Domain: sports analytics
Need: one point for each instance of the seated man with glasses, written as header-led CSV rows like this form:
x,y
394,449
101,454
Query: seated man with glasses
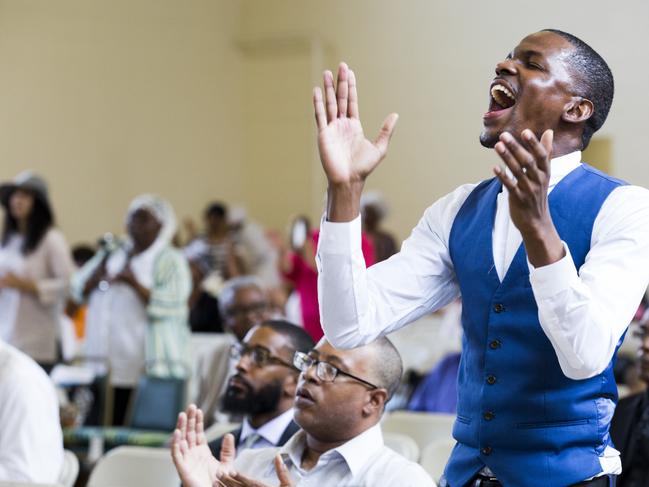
x,y
340,398
263,386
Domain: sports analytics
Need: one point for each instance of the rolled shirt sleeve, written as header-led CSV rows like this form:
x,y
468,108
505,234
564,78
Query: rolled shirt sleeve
x,y
585,312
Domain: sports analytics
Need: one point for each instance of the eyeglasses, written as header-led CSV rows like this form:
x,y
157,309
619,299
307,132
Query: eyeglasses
x,y
324,370
259,355
251,308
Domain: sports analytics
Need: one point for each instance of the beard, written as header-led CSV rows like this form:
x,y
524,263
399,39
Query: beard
x,y
250,401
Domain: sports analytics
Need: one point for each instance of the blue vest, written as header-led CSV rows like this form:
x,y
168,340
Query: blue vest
x,y
517,412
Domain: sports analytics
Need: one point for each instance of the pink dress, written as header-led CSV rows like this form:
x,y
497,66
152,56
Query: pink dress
x,y
304,278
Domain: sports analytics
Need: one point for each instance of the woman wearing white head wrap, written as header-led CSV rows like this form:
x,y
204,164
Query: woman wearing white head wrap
x,y
137,300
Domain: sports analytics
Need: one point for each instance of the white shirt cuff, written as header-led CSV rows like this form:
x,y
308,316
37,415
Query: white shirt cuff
x,y
340,238
550,280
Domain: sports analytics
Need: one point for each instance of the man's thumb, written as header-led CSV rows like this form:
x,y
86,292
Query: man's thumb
x,y
385,133
282,472
228,450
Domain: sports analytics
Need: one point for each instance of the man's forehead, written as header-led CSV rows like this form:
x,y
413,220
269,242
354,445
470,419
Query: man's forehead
x,y
266,337
544,43
346,358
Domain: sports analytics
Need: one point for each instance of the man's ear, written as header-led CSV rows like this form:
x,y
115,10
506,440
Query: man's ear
x,y
578,110
376,402
289,385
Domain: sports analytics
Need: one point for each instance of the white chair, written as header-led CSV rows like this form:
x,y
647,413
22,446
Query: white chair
x,y
435,456
70,469
219,429
132,466
403,445
424,428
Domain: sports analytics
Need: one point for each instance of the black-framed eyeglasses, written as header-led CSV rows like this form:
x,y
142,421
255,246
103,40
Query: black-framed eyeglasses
x,y
260,356
324,370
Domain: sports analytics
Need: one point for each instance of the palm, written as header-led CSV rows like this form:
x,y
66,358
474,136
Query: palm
x,y
198,468
345,152
347,155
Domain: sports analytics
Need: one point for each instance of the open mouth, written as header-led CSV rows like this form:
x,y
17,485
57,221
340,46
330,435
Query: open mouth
x,y
501,98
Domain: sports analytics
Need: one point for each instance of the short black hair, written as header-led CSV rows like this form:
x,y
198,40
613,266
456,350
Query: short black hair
x,y
300,340
595,82
40,220
216,208
387,366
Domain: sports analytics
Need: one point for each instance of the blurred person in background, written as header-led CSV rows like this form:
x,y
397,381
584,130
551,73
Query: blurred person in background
x,y
257,252
214,258
35,269
137,294
374,210
31,444
630,425
298,267
263,385
243,304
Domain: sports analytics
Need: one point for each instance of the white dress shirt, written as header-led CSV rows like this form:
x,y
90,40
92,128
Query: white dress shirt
x,y
269,433
363,461
583,312
31,444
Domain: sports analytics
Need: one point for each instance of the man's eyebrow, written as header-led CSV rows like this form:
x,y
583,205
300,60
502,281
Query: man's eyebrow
x,y
334,360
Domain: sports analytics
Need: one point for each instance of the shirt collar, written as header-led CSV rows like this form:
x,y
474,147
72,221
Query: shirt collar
x,y
560,167
271,431
356,452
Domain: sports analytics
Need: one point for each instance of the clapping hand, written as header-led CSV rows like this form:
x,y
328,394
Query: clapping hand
x,y
191,454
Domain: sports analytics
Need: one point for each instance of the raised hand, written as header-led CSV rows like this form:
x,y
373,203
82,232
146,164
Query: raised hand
x,y
529,163
192,456
347,156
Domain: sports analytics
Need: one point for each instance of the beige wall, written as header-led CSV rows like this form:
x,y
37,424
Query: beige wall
x,y
199,99
109,99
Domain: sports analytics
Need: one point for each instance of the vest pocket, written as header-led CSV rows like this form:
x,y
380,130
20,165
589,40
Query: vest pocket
x,y
552,424
463,419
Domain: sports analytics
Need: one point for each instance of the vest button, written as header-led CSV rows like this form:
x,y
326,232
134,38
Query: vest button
x,y
491,379
488,416
486,450
499,308
494,344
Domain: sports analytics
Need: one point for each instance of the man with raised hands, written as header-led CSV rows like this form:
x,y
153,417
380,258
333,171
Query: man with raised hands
x,y
340,399
550,257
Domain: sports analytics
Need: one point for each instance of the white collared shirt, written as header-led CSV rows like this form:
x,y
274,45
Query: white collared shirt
x,y
363,461
269,433
584,312
31,443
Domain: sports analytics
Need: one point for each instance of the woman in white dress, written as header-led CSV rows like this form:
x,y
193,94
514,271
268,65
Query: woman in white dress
x,y
137,296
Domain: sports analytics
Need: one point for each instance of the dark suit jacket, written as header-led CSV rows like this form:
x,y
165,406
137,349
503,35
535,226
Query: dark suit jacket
x,y
215,445
626,415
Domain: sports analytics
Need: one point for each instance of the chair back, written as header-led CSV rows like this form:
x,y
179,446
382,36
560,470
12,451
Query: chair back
x,y
435,456
70,469
157,402
403,445
132,466
424,428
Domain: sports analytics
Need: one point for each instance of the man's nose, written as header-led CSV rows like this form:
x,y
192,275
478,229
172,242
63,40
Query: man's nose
x,y
505,67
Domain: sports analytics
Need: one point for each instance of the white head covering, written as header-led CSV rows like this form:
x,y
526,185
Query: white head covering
x,y
161,211
142,263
